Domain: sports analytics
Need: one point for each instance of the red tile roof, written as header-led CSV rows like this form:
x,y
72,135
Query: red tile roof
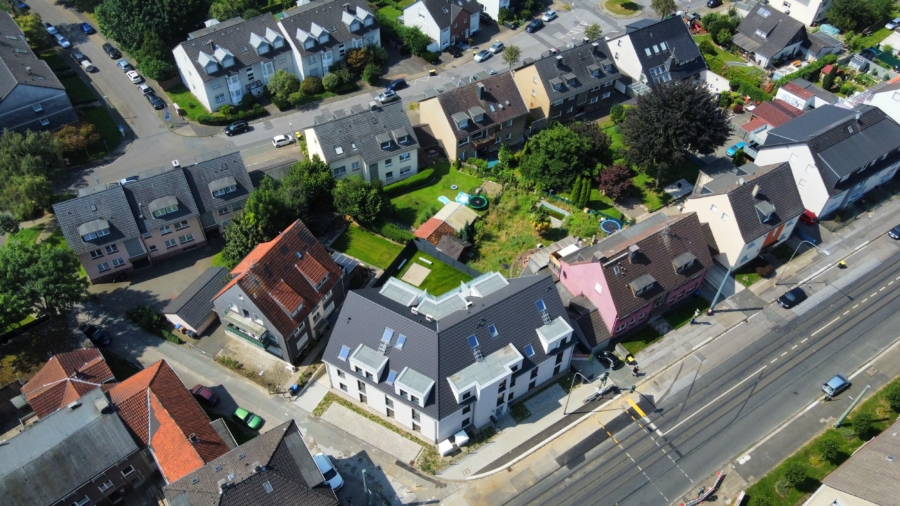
x,y
65,378
426,229
776,112
283,273
753,124
161,414
798,91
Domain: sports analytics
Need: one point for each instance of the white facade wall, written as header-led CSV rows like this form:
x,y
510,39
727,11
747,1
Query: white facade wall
x,y
809,182
492,7
417,15
808,12
626,58
888,102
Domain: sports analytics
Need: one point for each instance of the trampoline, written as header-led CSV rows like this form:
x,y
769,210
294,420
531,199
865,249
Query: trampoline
x,y
610,226
478,202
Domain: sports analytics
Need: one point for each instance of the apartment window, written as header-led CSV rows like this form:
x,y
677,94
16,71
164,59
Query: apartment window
x,y
621,327
605,95
186,238
534,373
82,502
45,121
128,471
415,416
354,166
511,395
147,235
466,410
509,123
404,157
413,398
250,76
316,317
405,170
339,171
312,59
593,100
389,175
388,402
220,97
500,400
463,141
181,224
556,370
416,427
467,395
171,243
118,262
559,358
569,109
801,183
152,248
216,84
369,376
106,486
97,253
361,386
165,211
343,386
512,382
465,423
282,59
508,136
341,374
390,413
531,385
502,386
165,230
103,267
223,210
388,162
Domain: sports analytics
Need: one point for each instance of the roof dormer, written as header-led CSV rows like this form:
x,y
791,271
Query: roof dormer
x,y
570,78
163,206
476,113
274,38
348,17
557,84
683,261
93,229
224,57
259,44
320,33
400,135
642,284
595,70
209,64
461,119
383,140
365,16
305,38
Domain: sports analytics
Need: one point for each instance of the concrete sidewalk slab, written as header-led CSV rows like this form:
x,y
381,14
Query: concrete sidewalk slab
x,y
312,395
384,439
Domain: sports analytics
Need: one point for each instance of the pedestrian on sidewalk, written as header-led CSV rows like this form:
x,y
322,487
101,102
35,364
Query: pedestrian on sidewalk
x,y
635,371
694,318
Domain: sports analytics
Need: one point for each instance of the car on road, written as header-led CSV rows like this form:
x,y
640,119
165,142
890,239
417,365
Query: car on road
x,y
155,101
836,385
454,50
792,297
97,335
134,76
387,96
111,51
734,149
248,418
549,15
23,6
496,47
146,90
332,477
124,65
713,3
534,26
892,24
282,140
236,128
397,84
894,232
50,29
64,42
204,395
482,55
87,28
87,65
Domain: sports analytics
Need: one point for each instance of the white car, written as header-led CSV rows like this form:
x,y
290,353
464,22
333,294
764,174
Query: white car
x,y
894,23
282,140
144,89
482,55
497,47
327,469
87,66
63,41
387,96
549,15
134,76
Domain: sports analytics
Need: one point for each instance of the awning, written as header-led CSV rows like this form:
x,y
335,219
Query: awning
x,y
445,447
221,184
162,203
461,438
92,226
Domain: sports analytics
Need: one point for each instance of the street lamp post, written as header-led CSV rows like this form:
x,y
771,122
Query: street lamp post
x,y
825,252
566,409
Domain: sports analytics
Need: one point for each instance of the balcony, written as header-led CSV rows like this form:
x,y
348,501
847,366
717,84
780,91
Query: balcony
x,y
252,340
244,327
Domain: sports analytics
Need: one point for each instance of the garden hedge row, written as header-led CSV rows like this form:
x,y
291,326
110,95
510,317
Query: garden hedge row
x,y
409,184
255,111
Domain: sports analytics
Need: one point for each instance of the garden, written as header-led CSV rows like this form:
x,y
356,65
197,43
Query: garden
x,y
418,205
197,112
368,247
440,278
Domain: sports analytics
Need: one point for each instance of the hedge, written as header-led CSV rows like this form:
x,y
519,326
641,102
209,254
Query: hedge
x,y
256,111
751,90
409,184
394,233
808,71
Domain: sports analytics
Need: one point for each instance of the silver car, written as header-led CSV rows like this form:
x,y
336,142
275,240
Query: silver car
x,y
387,96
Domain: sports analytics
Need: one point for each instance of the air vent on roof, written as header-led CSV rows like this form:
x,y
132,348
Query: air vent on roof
x,y
193,438
428,317
74,405
241,456
299,255
93,207
218,468
414,310
195,481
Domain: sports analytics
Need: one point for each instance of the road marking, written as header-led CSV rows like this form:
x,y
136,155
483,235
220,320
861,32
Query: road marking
x,y
635,406
891,283
882,288
783,354
873,294
659,433
845,312
814,404
695,413
794,346
804,340
826,325
856,306
773,360
864,300
708,339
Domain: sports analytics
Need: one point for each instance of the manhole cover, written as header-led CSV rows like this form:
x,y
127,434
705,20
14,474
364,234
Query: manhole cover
x,y
872,371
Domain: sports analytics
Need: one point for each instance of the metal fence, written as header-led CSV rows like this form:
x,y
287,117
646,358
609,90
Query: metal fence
x,y
421,246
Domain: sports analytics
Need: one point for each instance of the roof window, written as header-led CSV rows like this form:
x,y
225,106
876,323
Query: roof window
x,y
345,352
529,350
339,150
473,341
493,330
540,305
401,340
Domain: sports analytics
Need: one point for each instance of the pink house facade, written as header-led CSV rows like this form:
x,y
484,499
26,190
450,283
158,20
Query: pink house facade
x,y
640,271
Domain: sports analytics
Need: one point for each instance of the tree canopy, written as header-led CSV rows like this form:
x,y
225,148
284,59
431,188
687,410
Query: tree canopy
x,y
128,21
308,187
40,278
555,157
663,8
29,163
362,201
671,121
511,55
856,15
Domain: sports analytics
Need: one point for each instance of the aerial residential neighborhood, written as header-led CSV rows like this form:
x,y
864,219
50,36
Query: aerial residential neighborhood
x,y
462,252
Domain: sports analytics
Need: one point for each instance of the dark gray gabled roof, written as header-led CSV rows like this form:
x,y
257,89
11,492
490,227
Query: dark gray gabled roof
x,y
581,62
500,102
444,12
842,141
18,63
96,203
201,174
816,90
681,57
158,190
194,304
767,31
234,36
439,349
366,130
328,16
287,475
820,40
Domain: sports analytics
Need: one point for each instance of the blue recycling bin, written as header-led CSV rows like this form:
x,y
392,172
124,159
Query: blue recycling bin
x,y
294,389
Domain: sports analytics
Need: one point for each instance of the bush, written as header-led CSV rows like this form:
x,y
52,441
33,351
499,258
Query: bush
x,y
808,72
217,118
433,58
158,70
407,185
371,73
765,270
892,395
724,100
738,108
863,423
145,318
760,501
707,47
226,110
172,338
828,448
617,113
795,474
331,82
394,233
312,85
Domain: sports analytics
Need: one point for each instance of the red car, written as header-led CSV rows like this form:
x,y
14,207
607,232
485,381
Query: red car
x,y
205,395
809,218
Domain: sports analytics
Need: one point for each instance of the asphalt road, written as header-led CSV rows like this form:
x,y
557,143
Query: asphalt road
x,y
738,400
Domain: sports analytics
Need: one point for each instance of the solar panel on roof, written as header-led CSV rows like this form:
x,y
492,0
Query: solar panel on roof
x,y
401,340
387,335
473,341
345,352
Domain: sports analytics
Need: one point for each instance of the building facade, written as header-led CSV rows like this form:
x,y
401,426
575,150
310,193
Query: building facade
x,y
808,12
446,22
767,35
221,187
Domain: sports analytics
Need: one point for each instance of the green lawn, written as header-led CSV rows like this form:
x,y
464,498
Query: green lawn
x,y
106,126
391,12
218,261
186,101
78,91
747,278
442,277
410,209
720,53
368,247
27,235
875,38
681,315
622,7
641,339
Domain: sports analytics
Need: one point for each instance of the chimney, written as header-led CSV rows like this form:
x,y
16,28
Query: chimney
x,y
858,114
755,191
585,40
632,252
347,8
373,105
559,61
596,47
480,88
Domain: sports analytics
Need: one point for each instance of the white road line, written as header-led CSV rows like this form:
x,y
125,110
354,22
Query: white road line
x,y
708,339
783,354
891,283
773,360
882,288
814,404
856,306
659,433
804,340
716,399
845,312
794,346
864,300
826,325
873,294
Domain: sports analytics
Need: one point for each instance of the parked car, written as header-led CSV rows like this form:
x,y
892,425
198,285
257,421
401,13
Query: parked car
x,y
534,26
134,76
496,47
79,57
87,28
248,418
454,50
809,218
387,96
204,395
713,3
64,42
549,15
97,335
155,101
836,385
397,84
892,24
734,149
111,51
23,6
124,65
87,65
332,477
146,90
50,29
609,359
282,140
482,55
894,232
792,297
485,17
236,128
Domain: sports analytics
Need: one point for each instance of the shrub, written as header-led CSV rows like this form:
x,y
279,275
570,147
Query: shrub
x,y
707,47
863,424
892,395
432,58
808,72
828,448
331,82
312,85
394,233
795,474
724,100
371,73
738,108
617,113
760,501
409,184
159,70
226,110
765,270
168,336
145,318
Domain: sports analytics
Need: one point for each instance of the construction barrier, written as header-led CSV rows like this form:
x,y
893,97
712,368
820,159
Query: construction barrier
x,y
705,495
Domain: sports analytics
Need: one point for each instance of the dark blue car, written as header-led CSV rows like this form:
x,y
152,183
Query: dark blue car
x,y
87,29
397,84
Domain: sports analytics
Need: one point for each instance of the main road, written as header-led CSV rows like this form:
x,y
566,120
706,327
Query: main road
x,y
700,424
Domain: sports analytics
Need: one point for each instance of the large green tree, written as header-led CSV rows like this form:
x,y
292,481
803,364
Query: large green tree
x,y
282,84
554,157
362,201
127,21
34,30
851,15
663,7
599,143
42,276
29,164
671,121
308,187
241,235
